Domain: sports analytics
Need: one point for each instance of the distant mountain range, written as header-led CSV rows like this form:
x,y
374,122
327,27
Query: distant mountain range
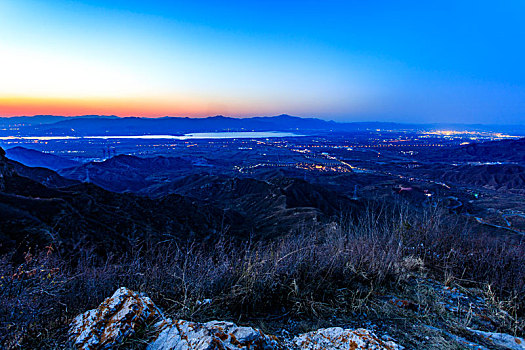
x,y
112,125
44,119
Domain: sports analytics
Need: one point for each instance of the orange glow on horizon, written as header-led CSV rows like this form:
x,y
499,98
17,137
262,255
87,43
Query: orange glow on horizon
x,y
123,107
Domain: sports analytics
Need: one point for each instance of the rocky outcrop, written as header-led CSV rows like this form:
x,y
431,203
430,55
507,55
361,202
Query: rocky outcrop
x,y
180,334
125,312
342,339
118,317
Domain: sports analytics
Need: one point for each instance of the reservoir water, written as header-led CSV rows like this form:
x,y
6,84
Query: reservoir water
x,y
198,135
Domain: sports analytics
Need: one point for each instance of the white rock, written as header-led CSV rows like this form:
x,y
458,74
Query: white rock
x,y
337,338
116,318
503,340
182,335
125,311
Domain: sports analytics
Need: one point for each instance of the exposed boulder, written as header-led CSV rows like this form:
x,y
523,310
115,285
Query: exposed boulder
x,y
337,338
118,317
182,334
125,312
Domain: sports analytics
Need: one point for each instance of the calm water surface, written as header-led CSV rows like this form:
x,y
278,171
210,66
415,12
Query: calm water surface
x,y
197,135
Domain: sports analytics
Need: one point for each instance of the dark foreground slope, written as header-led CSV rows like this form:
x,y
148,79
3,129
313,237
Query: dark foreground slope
x,y
420,280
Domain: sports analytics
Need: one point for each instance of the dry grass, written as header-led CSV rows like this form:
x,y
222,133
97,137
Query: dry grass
x,y
308,275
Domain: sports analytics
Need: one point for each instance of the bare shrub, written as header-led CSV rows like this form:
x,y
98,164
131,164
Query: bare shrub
x,y
307,274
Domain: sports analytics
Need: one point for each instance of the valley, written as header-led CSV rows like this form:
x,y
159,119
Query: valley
x,y
487,179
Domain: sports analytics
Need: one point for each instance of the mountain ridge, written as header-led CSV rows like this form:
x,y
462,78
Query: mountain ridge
x,y
113,125
33,158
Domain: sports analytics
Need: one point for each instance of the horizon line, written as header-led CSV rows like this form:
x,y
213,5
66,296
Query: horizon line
x,y
251,117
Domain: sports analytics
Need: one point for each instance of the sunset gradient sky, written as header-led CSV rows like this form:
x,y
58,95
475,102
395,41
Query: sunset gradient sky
x,y
406,61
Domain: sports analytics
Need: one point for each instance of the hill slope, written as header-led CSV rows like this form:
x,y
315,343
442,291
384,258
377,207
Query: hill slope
x,y
33,158
194,207
32,214
501,151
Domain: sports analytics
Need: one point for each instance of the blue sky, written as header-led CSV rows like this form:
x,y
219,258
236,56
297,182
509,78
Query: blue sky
x,y
407,61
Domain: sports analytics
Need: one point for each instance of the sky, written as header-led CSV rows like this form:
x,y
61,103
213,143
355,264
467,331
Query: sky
x,y
404,61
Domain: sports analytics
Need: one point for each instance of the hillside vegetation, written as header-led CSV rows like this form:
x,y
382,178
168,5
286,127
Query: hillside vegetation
x,y
391,270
